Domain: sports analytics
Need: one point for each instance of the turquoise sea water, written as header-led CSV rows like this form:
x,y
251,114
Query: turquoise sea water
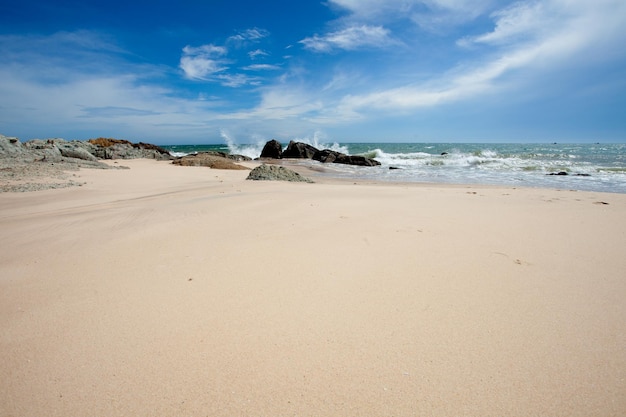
x,y
589,167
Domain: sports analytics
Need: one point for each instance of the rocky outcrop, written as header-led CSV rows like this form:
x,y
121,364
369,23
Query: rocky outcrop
x,y
272,149
567,173
107,148
275,173
305,151
299,150
50,151
327,156
215,160
10,147
55,150
42,164
75,150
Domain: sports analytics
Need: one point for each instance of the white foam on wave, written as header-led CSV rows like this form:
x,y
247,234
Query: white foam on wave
x,y
253,150
320,141
179,154
250,150
452,159
526,167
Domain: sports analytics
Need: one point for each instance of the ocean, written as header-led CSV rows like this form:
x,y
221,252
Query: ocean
x,y
584,167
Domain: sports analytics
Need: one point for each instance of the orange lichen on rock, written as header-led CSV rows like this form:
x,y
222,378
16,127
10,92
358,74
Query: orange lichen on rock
x,y
106,142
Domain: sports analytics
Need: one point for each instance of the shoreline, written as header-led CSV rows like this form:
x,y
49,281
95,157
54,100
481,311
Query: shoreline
x,y
173,290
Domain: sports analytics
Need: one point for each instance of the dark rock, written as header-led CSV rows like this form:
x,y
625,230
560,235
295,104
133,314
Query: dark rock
x,y
306,151
394,168
566,173
327,156
150,147
299,150
272,149
358,160
275,173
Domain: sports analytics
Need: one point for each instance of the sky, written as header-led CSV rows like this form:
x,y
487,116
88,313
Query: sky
x,y
198,72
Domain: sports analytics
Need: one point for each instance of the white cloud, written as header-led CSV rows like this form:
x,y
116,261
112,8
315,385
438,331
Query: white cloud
x,y
262,67
528,23
520,21
372,8
213,62
87,106
248,36
257,53
90,83
430,14
280,103
198,63
94,90
351,38
440,16
534,38
237,80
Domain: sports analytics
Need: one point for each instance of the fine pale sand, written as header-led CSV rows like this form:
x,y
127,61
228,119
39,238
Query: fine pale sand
x,y
179,291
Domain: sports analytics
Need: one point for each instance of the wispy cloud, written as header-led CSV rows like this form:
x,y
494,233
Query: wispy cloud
x,y
76,85
237,80
529,41
257,53
200,62
518,22
216,63
248,36
85,81
530,36
429,14
280,103
374,8
61,55
351,38
443,15
262,67
115,112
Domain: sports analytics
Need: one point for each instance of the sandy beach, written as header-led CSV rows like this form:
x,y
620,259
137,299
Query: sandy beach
x,y
163,290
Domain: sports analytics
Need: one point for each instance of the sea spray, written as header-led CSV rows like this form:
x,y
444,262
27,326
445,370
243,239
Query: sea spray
x,y
589,167
249,150
320,141
253,150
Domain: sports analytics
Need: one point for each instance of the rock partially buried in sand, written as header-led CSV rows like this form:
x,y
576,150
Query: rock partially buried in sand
x,y
209,159
275,173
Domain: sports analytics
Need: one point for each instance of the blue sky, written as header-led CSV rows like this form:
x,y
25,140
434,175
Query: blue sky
x,y
340,70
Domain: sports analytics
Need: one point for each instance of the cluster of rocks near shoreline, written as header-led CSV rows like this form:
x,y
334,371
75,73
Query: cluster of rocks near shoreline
x,y
41,164
274,150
